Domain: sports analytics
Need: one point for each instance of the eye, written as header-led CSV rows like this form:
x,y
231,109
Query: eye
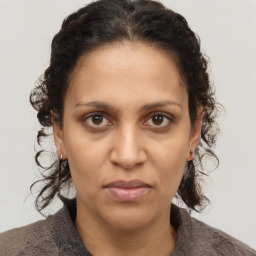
x,y
97,120
159,120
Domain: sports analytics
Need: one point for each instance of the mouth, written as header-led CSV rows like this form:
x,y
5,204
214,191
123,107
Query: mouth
x,y
127,191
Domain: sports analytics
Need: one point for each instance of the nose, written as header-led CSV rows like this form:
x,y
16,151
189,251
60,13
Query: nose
x,y
128,148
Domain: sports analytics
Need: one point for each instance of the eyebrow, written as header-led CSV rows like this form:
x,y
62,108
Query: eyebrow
x,y
160,104
146,107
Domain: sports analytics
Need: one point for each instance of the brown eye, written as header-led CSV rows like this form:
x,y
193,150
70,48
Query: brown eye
x,y
97,120
157,119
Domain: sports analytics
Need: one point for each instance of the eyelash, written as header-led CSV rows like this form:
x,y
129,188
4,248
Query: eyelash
x,y
165,116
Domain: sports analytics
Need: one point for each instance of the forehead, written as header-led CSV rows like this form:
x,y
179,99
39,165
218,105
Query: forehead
x,y
126,70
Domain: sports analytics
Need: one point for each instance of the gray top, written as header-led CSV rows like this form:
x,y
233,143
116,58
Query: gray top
x,y
57,235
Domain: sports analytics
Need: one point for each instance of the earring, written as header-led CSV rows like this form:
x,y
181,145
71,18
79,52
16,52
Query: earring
x,y
191,154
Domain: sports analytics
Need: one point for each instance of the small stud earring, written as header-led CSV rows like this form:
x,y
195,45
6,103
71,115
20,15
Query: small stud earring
x,y
191,153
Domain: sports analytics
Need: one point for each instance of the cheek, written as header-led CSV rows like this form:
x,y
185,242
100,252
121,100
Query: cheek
x,y
85,156
81,148
86,163
169,161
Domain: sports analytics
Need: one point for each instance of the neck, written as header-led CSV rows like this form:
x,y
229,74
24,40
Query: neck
x,y
157,238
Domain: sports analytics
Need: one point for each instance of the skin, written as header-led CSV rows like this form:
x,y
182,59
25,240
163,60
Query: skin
x,y
126,143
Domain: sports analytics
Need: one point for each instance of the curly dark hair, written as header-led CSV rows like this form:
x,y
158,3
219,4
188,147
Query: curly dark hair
x,y
105,22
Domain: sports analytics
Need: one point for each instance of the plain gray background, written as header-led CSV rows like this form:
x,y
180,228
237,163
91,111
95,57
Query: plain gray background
x,y
228,37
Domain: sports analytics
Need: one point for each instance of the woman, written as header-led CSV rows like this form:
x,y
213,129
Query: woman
x,y
133,113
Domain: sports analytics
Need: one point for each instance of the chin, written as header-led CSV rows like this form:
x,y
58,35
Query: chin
x,y
128,217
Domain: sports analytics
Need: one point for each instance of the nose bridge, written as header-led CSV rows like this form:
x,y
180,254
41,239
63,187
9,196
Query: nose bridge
x,y
128,147
128,137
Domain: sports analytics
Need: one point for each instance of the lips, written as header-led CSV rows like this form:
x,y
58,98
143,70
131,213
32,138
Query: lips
x,y
127,191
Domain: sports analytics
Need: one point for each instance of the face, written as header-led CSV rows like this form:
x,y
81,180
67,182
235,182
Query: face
x,y
126,133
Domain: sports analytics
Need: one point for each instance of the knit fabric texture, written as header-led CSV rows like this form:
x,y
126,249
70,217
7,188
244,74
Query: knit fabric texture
x,y
57,235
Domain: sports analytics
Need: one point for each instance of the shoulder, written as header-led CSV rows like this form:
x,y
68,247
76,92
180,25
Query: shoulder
x,y
220,241
33,239
211,241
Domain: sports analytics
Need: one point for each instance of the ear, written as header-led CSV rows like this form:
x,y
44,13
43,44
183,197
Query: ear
x,y
195,133
58,138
